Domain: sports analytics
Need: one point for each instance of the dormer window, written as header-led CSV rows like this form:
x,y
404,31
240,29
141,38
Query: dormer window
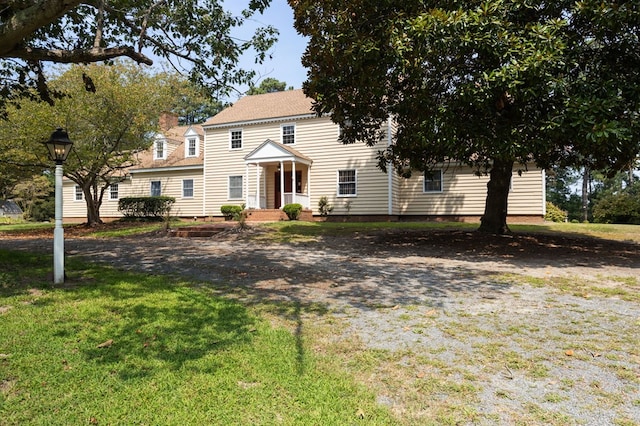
x,y
160,150
192,147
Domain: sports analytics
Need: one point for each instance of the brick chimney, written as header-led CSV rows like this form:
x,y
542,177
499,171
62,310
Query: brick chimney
x,y
167,121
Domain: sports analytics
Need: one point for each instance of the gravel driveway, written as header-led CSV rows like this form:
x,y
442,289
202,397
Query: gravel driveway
x,y
545,337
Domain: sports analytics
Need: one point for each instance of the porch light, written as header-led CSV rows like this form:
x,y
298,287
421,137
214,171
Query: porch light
x,y
59,146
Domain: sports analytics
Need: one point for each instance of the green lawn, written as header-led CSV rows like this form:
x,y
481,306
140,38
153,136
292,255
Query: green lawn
x,y
122,348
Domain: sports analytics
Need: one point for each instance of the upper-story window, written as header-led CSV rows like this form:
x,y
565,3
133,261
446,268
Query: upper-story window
x,y
192,147
288,134
235,139
160,150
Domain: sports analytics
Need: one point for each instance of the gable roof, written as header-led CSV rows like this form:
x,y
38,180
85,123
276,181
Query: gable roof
x,y
9,207
273,151
288,103
174,135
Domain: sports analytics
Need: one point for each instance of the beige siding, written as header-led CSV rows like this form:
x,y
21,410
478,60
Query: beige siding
x,y
316,138
464,193
137,186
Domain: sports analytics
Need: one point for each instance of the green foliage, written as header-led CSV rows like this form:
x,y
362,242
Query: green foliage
x,y
555,213
199,38
32,191
552,82
108,126
268,85
324,207
230,211
619,207
292,210
146,207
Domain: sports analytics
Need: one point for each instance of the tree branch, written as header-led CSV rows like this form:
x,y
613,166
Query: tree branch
x,y
26,21
79,55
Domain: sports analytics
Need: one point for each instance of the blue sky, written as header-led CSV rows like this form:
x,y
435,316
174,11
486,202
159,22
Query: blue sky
x,y
284,64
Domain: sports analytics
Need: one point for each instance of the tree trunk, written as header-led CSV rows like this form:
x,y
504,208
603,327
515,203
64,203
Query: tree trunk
x,y
93,208
494,220
585,194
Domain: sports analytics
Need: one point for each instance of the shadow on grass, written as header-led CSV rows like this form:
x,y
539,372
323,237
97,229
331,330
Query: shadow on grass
x,y
133,322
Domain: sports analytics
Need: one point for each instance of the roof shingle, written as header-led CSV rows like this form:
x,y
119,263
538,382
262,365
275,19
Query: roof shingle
x,y
267,106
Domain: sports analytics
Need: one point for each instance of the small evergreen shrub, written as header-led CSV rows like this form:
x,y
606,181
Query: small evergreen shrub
x,y
555,213
324,207
146,207
293,210
231,211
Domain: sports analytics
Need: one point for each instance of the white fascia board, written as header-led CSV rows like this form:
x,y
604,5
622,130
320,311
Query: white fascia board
x,y
166,169
262,121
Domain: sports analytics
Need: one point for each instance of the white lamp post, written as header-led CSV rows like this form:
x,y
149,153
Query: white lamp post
x,y
59,147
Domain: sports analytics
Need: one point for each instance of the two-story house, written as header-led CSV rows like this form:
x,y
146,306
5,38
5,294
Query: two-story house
x,y
269,150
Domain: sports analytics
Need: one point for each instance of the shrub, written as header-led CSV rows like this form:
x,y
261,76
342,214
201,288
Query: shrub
x,y
555,213
146,207
293,210
623,207
230,211
324,207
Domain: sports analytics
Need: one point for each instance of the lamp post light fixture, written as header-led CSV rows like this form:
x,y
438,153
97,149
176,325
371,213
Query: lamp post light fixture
x,y
59,147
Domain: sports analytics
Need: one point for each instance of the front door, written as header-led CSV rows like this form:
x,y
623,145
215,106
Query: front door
x,y
287,186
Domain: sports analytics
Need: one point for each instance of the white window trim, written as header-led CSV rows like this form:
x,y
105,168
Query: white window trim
x,y
151,188
193,188
186,147
77,190
164,149
117,192
338,195
424,190
237,129
229,187
295,135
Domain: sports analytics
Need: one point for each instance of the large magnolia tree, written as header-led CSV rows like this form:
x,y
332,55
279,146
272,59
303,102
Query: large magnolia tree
x,y
495,84
108,126
195,36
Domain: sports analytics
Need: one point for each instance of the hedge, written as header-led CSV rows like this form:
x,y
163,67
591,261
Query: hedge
x,y
145,207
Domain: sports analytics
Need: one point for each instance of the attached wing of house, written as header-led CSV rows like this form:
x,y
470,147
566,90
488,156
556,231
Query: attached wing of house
x,y
269,150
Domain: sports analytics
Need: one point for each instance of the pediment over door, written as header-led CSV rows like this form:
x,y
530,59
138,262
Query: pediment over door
x,y
269,151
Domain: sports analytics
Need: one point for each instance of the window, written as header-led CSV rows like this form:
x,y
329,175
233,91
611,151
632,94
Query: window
x,y
156,188
347,183
159,150
187,188
236,139
78,194
433,181
235,187
113,191
289,134
192,147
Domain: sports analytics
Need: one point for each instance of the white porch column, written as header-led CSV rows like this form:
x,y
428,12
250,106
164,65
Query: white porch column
x,y
246,185
258,185
281,184
293,181
309,185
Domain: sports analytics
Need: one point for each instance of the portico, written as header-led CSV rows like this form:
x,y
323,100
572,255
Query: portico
x,y
276,175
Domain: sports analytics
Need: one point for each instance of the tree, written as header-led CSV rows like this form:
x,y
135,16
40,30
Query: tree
x,y
268,85
491,84
29,192
195,36
108,126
